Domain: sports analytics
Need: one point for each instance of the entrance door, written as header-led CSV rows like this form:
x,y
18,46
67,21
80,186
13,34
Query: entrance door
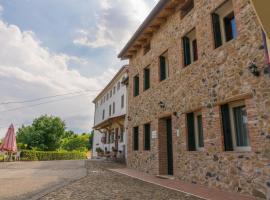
x,y
169,146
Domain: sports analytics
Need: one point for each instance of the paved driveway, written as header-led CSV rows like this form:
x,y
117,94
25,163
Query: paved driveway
x,y
31,180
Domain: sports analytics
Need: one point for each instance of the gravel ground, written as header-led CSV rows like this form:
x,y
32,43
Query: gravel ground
x,y
106,185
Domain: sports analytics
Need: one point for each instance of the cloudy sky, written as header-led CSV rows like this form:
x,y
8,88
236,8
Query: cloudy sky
x,y
63,50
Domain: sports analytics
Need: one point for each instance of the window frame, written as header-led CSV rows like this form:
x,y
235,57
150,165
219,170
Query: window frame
x,y
233,127
223,12
193,56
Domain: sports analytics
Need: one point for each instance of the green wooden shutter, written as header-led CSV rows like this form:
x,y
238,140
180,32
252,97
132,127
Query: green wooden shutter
x,y
136,138
191,132
216,29
162,61
146,79
186,48
226,128
195,50
136,86
147,136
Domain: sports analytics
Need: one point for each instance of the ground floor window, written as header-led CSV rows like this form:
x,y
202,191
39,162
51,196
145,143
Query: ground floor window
x,y
122,134
235,130
147,137
136,138
195,131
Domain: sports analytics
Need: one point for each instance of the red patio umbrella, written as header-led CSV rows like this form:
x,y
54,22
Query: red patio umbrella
x,y
9,143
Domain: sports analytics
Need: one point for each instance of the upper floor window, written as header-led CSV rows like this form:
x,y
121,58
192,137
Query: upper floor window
x,y
118,85
195,131
146,74
103,114
122,101
111,93
114,89
113,107
224,25
190,50
136,85
107,96
110,110
163,66
147,48
186,8
235,129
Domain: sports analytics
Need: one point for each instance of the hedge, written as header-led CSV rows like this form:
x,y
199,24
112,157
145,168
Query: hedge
x,y
51,155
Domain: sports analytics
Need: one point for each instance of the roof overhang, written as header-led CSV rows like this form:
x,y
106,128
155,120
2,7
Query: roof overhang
x,y
152,23
109,122
262,10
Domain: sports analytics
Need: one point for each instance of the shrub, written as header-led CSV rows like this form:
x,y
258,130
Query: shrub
x,y
51,155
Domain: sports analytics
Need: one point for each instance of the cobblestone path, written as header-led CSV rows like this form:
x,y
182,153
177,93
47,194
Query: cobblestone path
x,y
101,184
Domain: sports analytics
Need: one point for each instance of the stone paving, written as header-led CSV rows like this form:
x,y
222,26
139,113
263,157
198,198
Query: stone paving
x,y
101,184
31,180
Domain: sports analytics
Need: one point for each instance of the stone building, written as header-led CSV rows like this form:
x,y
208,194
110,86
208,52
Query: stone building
x,y
110,117
199,95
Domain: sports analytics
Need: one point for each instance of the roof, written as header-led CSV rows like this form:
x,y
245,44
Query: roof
x,y
108,122
123,69
165,6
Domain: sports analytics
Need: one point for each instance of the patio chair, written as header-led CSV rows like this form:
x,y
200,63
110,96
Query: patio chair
x,y
18,156
4,155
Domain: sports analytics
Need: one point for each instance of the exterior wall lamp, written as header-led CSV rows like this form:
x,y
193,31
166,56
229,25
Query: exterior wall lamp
x,y
253,68
161,104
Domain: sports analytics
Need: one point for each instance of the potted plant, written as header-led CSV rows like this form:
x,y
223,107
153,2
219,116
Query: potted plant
x,y
100,152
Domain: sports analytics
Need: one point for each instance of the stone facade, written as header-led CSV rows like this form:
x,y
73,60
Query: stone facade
x,y
218,76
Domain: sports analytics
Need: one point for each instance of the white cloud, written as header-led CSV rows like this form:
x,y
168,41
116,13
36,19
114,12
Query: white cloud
x,y
117,21
27,71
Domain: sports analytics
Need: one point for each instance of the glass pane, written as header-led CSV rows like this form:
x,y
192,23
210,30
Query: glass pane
x,y
200,131
240,122
234,30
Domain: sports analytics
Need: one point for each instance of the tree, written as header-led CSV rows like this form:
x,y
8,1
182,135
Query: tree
x,y
45,133
76,142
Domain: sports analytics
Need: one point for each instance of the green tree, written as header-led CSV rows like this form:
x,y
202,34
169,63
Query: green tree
x,y
45,133
76,142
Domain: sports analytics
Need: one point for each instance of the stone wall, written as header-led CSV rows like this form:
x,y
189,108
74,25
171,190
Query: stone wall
x,y
219,76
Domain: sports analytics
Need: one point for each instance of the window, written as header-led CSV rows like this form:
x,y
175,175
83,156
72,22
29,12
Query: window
x,y
109,138
121,134
103,114
118,86
114,89
136,86
146,75
113,107
107,96
186,8
122,101
111,93
190,49
163,66
147,137
136,138
234,121
110,110
195,131
146,48
224,25
112,137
